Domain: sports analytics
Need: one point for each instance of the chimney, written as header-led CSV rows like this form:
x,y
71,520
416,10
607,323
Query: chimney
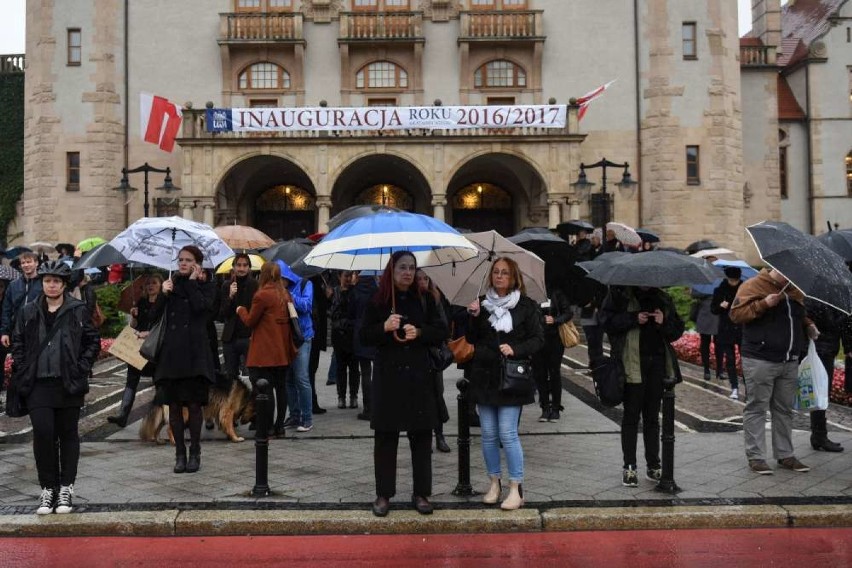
x,y
766,21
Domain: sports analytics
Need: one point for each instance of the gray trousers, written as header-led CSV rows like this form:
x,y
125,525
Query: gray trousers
x,y
769,386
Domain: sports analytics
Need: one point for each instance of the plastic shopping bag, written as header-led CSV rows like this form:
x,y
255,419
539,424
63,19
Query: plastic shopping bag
x,y
812,389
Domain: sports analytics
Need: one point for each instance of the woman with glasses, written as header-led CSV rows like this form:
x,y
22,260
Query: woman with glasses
x,y
185,362
505,323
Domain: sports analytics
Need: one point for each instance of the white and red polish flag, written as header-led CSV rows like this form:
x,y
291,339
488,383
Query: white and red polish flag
x,y
587,99
160,120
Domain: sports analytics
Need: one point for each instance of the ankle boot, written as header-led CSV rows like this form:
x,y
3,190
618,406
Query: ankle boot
x,y
127,399
194,462
341,402
180,460
353,401
494,490
819,433
515,499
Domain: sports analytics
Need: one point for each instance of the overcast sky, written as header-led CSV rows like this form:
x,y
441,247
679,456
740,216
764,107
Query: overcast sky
x,y
13,20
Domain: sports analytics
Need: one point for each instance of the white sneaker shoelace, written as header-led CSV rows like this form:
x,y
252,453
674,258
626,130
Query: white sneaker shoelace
x,y
46,502
63,503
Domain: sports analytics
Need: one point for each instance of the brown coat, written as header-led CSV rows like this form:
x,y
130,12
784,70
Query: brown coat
x,y
271,344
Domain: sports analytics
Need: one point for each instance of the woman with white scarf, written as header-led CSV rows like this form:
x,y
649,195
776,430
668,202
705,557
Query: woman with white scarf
x,y
505,323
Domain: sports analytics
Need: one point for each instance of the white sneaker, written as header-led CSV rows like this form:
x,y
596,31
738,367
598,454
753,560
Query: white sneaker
x,y
735,394
46,501
63,502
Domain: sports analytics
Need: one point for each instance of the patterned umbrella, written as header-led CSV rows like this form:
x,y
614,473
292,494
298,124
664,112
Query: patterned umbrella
x,y
8,273
240,237
627,235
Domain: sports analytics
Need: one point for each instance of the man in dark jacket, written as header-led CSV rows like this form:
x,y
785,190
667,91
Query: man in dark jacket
x,y
729,334
359,298
772,314
237,291
19,293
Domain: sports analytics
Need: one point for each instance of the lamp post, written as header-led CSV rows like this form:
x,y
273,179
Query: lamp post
x,y
167,186
601,214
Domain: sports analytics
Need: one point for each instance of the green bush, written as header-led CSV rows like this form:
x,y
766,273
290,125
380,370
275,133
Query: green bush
x,y
108,296
683,303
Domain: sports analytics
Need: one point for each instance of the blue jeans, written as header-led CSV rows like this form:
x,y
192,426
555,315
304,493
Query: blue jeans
x,y
299,387
499,424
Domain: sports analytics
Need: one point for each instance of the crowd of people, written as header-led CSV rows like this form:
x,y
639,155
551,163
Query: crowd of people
x,y
383,330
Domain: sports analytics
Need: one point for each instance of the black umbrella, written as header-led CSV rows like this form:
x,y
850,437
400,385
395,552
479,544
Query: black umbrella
x,y
289,251
574,226
305,270
648,236
15,251
703,244
556,253
816,270
838,241
102,255
536,234
357,211
656,269
603,260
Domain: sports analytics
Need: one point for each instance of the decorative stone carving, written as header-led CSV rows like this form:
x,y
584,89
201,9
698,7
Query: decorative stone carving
x,y
321,11
818,50
440,10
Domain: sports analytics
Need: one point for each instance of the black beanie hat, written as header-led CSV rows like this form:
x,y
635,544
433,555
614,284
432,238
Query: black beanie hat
x,y
733,271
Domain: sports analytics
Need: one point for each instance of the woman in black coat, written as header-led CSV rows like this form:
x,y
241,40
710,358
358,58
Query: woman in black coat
x,y
401,323
505,324
730,334
185,363
547,363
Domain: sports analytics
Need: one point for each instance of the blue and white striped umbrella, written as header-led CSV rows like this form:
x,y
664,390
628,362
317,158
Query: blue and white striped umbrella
x,y
367,243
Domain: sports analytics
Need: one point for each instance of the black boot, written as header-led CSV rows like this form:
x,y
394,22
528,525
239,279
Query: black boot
x,y
180,460
441,443
124,410
819,433
194,462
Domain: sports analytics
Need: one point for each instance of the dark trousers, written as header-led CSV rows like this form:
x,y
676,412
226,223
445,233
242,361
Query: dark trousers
x,y
3,352
727,353
706,339
277,377
594,340
643,400
366,367
313,365
56,445
348,371
235,352
384,460
196,418
547,367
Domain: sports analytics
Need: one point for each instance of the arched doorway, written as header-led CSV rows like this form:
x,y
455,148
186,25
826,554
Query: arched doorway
x,y
494,191
382,179
270,193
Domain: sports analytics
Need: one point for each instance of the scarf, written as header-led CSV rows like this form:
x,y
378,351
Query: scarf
x,y
499,306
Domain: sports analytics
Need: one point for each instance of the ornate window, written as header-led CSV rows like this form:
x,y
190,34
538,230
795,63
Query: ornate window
x,y
386,194
380,5
482,196
264,76
285,198
381,75
499,73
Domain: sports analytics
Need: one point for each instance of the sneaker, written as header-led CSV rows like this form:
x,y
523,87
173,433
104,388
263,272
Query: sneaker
x,y
305,428
629,477
760,466
706,375
341,402
735,394
291,422
45,507
545,414
553,416
654,474
794,464
63,502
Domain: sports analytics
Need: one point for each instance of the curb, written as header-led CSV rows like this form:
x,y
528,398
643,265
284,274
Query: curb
x,y
176,522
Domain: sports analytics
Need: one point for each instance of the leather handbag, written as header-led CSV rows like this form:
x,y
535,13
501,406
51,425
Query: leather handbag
x,y
440,357
462,350
295,326
150,348
516,377
16,403
569,334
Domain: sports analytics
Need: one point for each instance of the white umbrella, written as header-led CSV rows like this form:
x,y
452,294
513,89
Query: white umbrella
x,y
155,241
627,235
720,253
463,282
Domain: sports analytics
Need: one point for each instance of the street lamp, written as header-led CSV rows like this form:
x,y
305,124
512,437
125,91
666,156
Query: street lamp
x,y
124,185
602,202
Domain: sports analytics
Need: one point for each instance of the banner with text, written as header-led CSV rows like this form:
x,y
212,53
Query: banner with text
x,y
384,118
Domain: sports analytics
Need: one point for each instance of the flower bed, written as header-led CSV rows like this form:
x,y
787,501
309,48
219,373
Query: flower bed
x,y
688,348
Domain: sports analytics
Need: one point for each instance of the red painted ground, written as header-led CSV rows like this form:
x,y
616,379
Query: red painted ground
x,y
800,548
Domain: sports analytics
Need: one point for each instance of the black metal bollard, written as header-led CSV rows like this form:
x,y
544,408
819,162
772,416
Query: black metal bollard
x,y
463,489
667,483
263,410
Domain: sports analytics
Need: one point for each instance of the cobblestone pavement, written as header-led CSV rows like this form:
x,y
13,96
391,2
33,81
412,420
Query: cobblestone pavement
x,y
574,461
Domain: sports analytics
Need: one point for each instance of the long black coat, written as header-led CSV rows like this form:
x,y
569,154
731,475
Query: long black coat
x,y
405,396
526,338
186,347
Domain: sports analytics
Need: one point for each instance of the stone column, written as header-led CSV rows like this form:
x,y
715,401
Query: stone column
x,y
208,213
439,202
553,213
187,207
574,209
323,213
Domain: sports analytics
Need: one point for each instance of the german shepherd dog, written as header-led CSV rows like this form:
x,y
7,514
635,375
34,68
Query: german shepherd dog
x,y
224,406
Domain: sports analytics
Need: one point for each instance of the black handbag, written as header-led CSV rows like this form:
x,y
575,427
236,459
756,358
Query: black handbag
x,y
295,327
440,357
150,348
608,376
16,403
516,377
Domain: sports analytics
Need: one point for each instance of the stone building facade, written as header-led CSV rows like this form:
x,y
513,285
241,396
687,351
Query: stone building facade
x,y
673,113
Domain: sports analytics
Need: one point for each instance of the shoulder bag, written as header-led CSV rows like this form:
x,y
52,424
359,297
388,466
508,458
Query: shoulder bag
x,y
569,334
608,376
150,348
295,326
516,377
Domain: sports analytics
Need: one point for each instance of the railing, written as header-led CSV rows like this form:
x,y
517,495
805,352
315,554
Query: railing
x,y
194,128
12,63
381,26
237,27
520,24
756,55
